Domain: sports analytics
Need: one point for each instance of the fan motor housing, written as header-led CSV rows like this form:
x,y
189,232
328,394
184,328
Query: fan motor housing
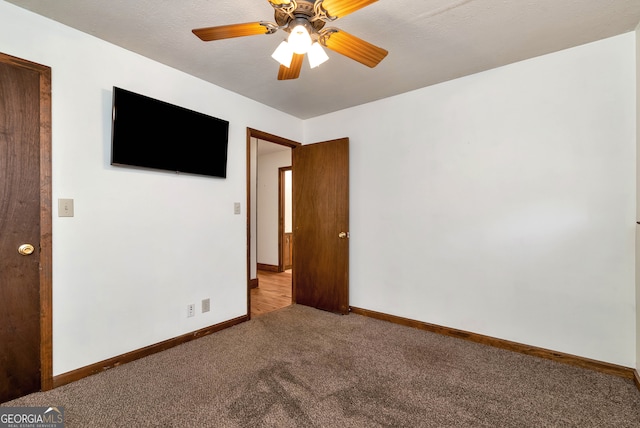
x,y
304,10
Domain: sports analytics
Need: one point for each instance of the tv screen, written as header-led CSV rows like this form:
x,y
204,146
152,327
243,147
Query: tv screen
x,y
150,133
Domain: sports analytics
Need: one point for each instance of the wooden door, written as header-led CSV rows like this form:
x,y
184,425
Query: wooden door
x,y
321,225
24,185
287,251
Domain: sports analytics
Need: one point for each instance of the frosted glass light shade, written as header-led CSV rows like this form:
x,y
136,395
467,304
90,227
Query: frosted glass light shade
x,y
300,40
283,54
316,55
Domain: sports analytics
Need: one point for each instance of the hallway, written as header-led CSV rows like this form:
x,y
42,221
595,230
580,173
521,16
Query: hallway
x,y
273,292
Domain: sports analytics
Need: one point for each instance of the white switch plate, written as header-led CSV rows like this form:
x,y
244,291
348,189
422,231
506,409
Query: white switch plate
x,y
236,207
65,207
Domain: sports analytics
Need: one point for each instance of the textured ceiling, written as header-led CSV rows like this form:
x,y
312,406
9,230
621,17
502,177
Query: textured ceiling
x,y
429,41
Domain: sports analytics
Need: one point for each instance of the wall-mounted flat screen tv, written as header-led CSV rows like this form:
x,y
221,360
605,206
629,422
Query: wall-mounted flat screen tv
x,y
150,133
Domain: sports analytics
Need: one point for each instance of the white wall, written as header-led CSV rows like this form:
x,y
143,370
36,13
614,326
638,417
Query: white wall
x,y
503,202
142,244
288,201
268,174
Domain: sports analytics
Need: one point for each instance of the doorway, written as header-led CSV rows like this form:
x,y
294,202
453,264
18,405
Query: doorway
x,y
274,288
25,225
269,234
285,219
320,222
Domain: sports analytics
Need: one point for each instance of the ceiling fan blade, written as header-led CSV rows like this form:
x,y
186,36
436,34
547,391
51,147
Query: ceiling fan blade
x,y
279,2
230,31
354,48
340,8
293,71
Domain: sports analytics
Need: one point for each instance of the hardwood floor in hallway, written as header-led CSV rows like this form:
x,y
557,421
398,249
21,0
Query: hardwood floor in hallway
x,y
273,292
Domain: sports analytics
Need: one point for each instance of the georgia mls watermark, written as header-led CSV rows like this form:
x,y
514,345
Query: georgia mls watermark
x,y
31,417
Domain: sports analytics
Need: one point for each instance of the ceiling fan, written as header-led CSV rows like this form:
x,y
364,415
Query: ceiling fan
x,y
305,21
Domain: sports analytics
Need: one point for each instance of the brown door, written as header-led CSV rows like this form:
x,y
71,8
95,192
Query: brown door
x,y
321,225
21,115
287,251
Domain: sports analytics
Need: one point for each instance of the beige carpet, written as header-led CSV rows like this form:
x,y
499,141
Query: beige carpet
x,y
300,367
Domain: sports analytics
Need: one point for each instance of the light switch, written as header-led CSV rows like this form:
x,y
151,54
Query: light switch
x,y
65,207
236,208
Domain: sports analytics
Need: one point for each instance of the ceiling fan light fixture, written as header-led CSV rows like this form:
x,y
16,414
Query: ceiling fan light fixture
x,y
300,40
283,54
316,55
305,21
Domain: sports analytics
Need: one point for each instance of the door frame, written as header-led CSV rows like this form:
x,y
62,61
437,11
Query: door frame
x,y
281,215
261,135
45,253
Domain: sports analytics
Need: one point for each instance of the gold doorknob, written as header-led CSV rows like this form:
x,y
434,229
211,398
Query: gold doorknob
x,y
343,235
26,249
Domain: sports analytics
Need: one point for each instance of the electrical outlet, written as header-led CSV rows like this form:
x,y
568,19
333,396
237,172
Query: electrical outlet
x,y
206,305
191,310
